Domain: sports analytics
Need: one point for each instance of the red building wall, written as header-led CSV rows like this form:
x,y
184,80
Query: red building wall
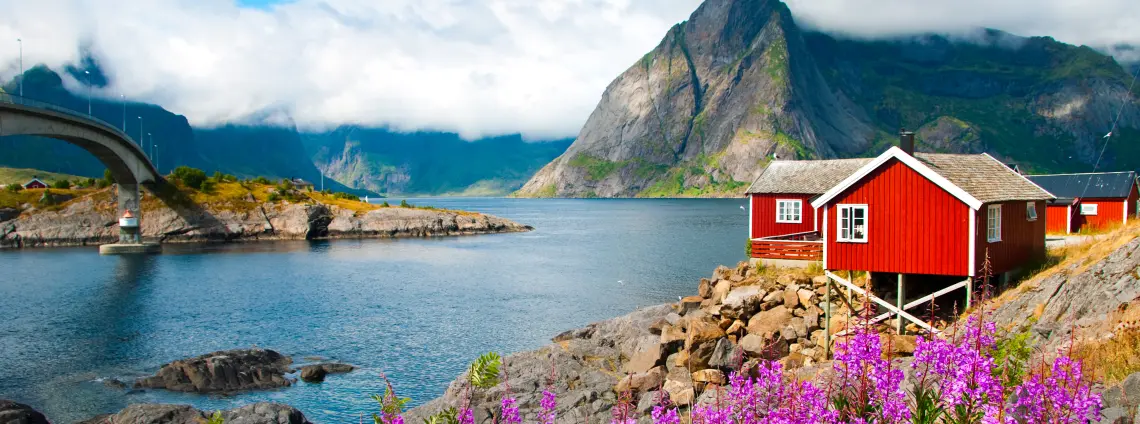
x,y
764,215
1057,219
913,226
1022,240
35,184
1133,196
1109,214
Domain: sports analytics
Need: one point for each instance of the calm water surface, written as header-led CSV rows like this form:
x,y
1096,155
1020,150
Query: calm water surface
x,y
417,309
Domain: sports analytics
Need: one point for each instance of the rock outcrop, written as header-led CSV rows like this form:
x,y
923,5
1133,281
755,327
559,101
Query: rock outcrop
x,y
739,81
18,413
316,373
91,220
258,413
677,351
223,371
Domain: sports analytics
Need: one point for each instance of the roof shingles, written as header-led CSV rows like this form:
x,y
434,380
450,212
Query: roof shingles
x,y
804,176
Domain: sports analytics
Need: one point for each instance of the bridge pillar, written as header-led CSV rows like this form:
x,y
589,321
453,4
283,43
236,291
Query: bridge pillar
x,y
130,225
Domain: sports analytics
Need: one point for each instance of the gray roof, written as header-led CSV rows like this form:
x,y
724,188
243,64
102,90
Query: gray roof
x,y
1101,184
804,176
984,177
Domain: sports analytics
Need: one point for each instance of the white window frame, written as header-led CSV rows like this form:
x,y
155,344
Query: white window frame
x,y
783,204
849,238
1030,211
1089,209
993,223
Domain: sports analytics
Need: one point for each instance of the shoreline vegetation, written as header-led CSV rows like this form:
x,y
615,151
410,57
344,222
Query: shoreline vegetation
x,y
1056,346
191,207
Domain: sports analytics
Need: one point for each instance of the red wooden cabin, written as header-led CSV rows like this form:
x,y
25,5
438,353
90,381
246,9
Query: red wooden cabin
x,y
35,183
1091,201
932,214
782,224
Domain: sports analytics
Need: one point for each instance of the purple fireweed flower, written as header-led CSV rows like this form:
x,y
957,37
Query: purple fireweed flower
x,y
509,411
1061,398
548,403
867,382
466,415
665,415
961,372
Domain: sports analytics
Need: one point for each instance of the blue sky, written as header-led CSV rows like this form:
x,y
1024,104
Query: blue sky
x,y
258,3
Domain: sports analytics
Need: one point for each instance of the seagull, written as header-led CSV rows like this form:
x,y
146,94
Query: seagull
x,y
678,298
621,282
742,208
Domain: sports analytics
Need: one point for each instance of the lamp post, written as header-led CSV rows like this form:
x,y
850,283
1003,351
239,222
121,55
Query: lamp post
x,y
156,157
141,140
150,140
123,100
21,41
88,83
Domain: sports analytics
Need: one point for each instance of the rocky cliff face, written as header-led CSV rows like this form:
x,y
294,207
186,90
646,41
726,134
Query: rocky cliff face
x,y
91,220
738,82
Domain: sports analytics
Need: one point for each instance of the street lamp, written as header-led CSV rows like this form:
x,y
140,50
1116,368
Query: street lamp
x,y
156,157
151,141
140,141
21,41
123,100
88,82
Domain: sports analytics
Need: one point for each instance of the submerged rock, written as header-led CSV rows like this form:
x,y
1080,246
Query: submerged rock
x,y
258,413
316,373
18,413
223,371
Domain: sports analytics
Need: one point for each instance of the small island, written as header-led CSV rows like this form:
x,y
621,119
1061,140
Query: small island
x,y
192,207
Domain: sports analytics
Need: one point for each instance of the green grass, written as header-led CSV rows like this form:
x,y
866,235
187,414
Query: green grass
x,y
802,152
597,169
23,175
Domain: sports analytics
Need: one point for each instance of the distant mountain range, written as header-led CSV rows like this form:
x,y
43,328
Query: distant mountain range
x,y
739,82
359,160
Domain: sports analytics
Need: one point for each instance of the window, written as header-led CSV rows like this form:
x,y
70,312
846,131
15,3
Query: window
x,y
789,211
1088,209
993,223
1031,211
852,223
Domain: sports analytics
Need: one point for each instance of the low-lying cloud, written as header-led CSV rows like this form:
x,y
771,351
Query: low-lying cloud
x,y
536,67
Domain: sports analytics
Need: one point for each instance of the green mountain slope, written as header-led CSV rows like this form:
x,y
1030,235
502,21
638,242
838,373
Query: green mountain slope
x,y
739,82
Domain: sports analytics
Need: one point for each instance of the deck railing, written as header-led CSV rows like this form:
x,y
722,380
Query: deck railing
x,y
805,246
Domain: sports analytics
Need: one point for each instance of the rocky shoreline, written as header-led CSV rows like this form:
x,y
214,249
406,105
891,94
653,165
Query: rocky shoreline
x,y
91,220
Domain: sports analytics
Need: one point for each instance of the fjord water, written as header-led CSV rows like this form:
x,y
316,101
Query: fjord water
x,y
417,310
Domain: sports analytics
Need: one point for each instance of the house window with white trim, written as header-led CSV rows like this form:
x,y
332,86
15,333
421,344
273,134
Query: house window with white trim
x,y
993,223
1031,211
852,223
789,211
1088,208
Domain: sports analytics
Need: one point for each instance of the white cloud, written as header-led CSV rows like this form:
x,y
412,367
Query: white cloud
x,y
477,67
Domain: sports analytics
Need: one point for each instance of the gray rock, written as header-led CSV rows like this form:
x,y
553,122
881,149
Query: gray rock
x,y
223,371
258,413
7,214
744,298
726,355
18,413
316,373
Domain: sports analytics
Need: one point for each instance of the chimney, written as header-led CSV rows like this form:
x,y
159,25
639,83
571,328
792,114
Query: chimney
x,y
906,141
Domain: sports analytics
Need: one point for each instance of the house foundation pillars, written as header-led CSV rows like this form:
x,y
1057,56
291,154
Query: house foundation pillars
x,y
900,301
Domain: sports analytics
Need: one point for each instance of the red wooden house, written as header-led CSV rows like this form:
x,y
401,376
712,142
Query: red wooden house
x,y
933,214
35,183
782,224
1092,201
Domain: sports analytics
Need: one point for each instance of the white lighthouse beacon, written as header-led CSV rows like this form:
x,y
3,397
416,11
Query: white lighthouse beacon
x,y
129,229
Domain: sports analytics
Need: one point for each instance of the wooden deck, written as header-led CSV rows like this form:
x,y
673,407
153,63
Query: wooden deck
x,y
792,247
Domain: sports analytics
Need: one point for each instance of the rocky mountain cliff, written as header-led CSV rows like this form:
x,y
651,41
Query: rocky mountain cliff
x,y
701,113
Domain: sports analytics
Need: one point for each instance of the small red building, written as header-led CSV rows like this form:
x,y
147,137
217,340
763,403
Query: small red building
x,y
1091,201
35,183
780,198
933,214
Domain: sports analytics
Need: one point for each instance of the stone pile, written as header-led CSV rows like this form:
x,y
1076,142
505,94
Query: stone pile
x,y
739,314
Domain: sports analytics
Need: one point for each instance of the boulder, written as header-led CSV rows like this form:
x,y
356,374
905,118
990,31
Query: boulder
x,y
222,371
721,272
18,413
656,327
793,279
156,413
646,357
672,334
701,355
1126,394
819,280
799,327
114,383
701,331
680,392
791,298
726,354
770,321
720,290
745,298
899,345
704,289
316,373
753,344
689,304
642,382
710,375
807,297
735,327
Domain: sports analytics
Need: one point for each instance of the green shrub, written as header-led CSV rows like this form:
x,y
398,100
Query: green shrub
x,y
261,180
346,196
61,184
404,204
286,185
385,204
107,177
191,177
208,186
13,188
274,197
